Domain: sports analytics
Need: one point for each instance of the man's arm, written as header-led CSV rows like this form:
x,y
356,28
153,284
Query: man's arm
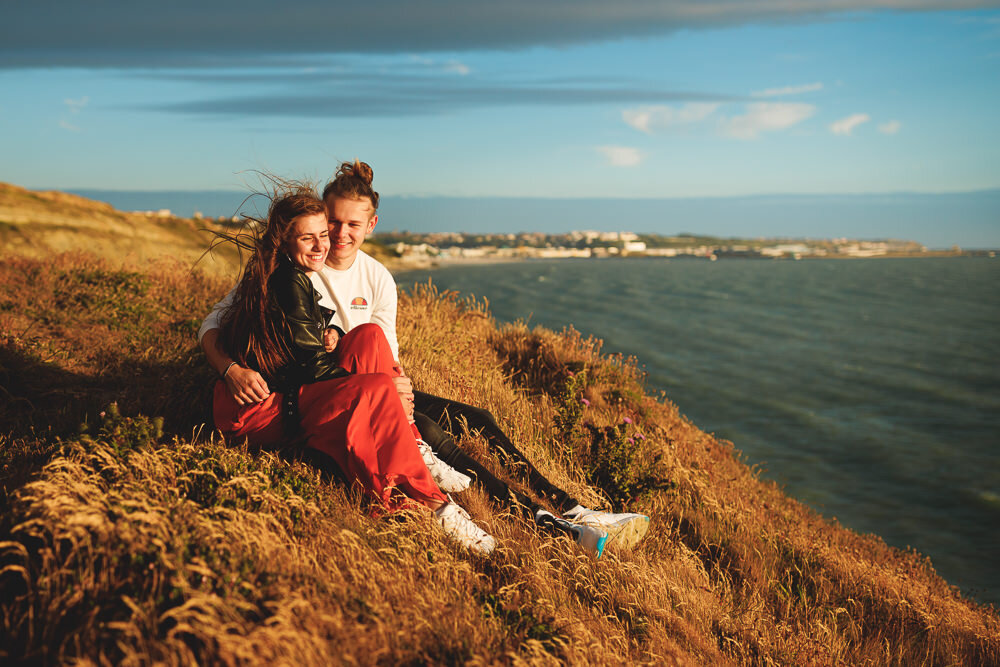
x,y
384,309
245,385
383,314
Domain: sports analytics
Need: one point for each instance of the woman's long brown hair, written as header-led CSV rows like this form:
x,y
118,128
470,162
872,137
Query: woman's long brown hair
x,y
252,328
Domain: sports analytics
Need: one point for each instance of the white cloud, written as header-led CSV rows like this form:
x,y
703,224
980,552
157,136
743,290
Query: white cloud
x,y
845,126
452,66
648,118
456,67
766,117
68,126
75,105
621,156
892,127
789,90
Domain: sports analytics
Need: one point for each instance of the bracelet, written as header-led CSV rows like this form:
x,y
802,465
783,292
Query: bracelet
x,y
227,369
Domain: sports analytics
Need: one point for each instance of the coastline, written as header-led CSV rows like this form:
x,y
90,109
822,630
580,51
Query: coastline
x,y
409,263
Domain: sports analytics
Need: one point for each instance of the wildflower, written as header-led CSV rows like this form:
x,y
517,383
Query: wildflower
x,y
630,441
585,402
627,420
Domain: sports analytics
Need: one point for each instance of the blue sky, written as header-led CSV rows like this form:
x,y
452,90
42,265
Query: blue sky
x,y
551,98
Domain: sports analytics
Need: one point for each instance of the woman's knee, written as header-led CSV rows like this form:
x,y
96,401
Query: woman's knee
x,y
366,334
364,349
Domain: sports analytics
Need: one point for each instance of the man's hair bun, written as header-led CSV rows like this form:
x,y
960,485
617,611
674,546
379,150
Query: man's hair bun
x,y
357,169
353,181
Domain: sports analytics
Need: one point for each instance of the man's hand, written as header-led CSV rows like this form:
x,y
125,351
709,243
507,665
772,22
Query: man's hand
x,y
330,339
246,386
405,390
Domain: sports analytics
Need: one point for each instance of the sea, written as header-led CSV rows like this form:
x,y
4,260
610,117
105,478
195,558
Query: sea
x,y
867,388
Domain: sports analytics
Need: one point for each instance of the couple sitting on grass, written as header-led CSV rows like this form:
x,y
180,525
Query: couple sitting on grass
x,y
306,348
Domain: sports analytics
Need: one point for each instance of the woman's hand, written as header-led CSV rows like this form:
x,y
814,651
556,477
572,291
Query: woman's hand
x,y
246,385
330,339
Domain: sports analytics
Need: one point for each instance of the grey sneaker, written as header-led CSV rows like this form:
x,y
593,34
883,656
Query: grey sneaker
x,y
447,478
624,530
591,538
459,527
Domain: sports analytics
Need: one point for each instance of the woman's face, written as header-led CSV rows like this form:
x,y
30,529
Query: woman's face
x,y
351,220
310,241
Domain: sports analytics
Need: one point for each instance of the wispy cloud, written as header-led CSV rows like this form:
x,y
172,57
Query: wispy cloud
x,y
621,156
451,66
74,106
892,127
789,90
845,126
766,117
409,86
649,118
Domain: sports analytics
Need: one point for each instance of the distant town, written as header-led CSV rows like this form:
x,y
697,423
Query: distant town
x,y
430,247
444,246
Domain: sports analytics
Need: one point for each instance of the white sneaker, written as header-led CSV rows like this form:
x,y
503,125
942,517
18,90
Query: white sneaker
x,y
448,479
591,538
457,524
624,530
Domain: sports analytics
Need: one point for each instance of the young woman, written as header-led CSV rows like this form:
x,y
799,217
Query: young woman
x,y
347,406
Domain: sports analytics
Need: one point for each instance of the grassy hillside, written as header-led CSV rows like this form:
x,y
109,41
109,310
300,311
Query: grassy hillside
x,y
130,534
36,224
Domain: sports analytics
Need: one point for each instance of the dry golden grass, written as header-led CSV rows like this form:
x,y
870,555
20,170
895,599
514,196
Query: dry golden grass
x,y
122,544
37,224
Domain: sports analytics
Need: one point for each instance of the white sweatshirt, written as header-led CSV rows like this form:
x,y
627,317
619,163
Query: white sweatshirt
x,y
364,293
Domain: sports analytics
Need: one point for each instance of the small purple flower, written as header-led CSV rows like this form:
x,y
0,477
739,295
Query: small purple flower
x,y
630,441
627,420
640,436
585,401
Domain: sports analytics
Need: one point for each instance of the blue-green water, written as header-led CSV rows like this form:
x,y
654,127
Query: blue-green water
x,y
870,389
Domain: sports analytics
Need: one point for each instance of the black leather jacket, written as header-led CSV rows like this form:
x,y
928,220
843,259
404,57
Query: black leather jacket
x,y
293,294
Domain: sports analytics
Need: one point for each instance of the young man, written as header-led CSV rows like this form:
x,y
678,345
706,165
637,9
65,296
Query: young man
x,y
361,290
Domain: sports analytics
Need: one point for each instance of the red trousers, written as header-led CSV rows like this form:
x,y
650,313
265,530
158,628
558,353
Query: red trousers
x,y
357,420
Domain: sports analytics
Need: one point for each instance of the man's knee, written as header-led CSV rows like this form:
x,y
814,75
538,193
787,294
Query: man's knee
x,y
477,416
430,430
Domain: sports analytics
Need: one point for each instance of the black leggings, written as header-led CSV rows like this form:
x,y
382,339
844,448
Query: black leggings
x,y
438,419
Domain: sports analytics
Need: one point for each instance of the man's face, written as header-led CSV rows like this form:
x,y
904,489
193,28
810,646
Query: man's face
x,y
350,221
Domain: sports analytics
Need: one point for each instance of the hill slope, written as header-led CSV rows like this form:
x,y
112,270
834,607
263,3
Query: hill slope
x,y
122,543
36,224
